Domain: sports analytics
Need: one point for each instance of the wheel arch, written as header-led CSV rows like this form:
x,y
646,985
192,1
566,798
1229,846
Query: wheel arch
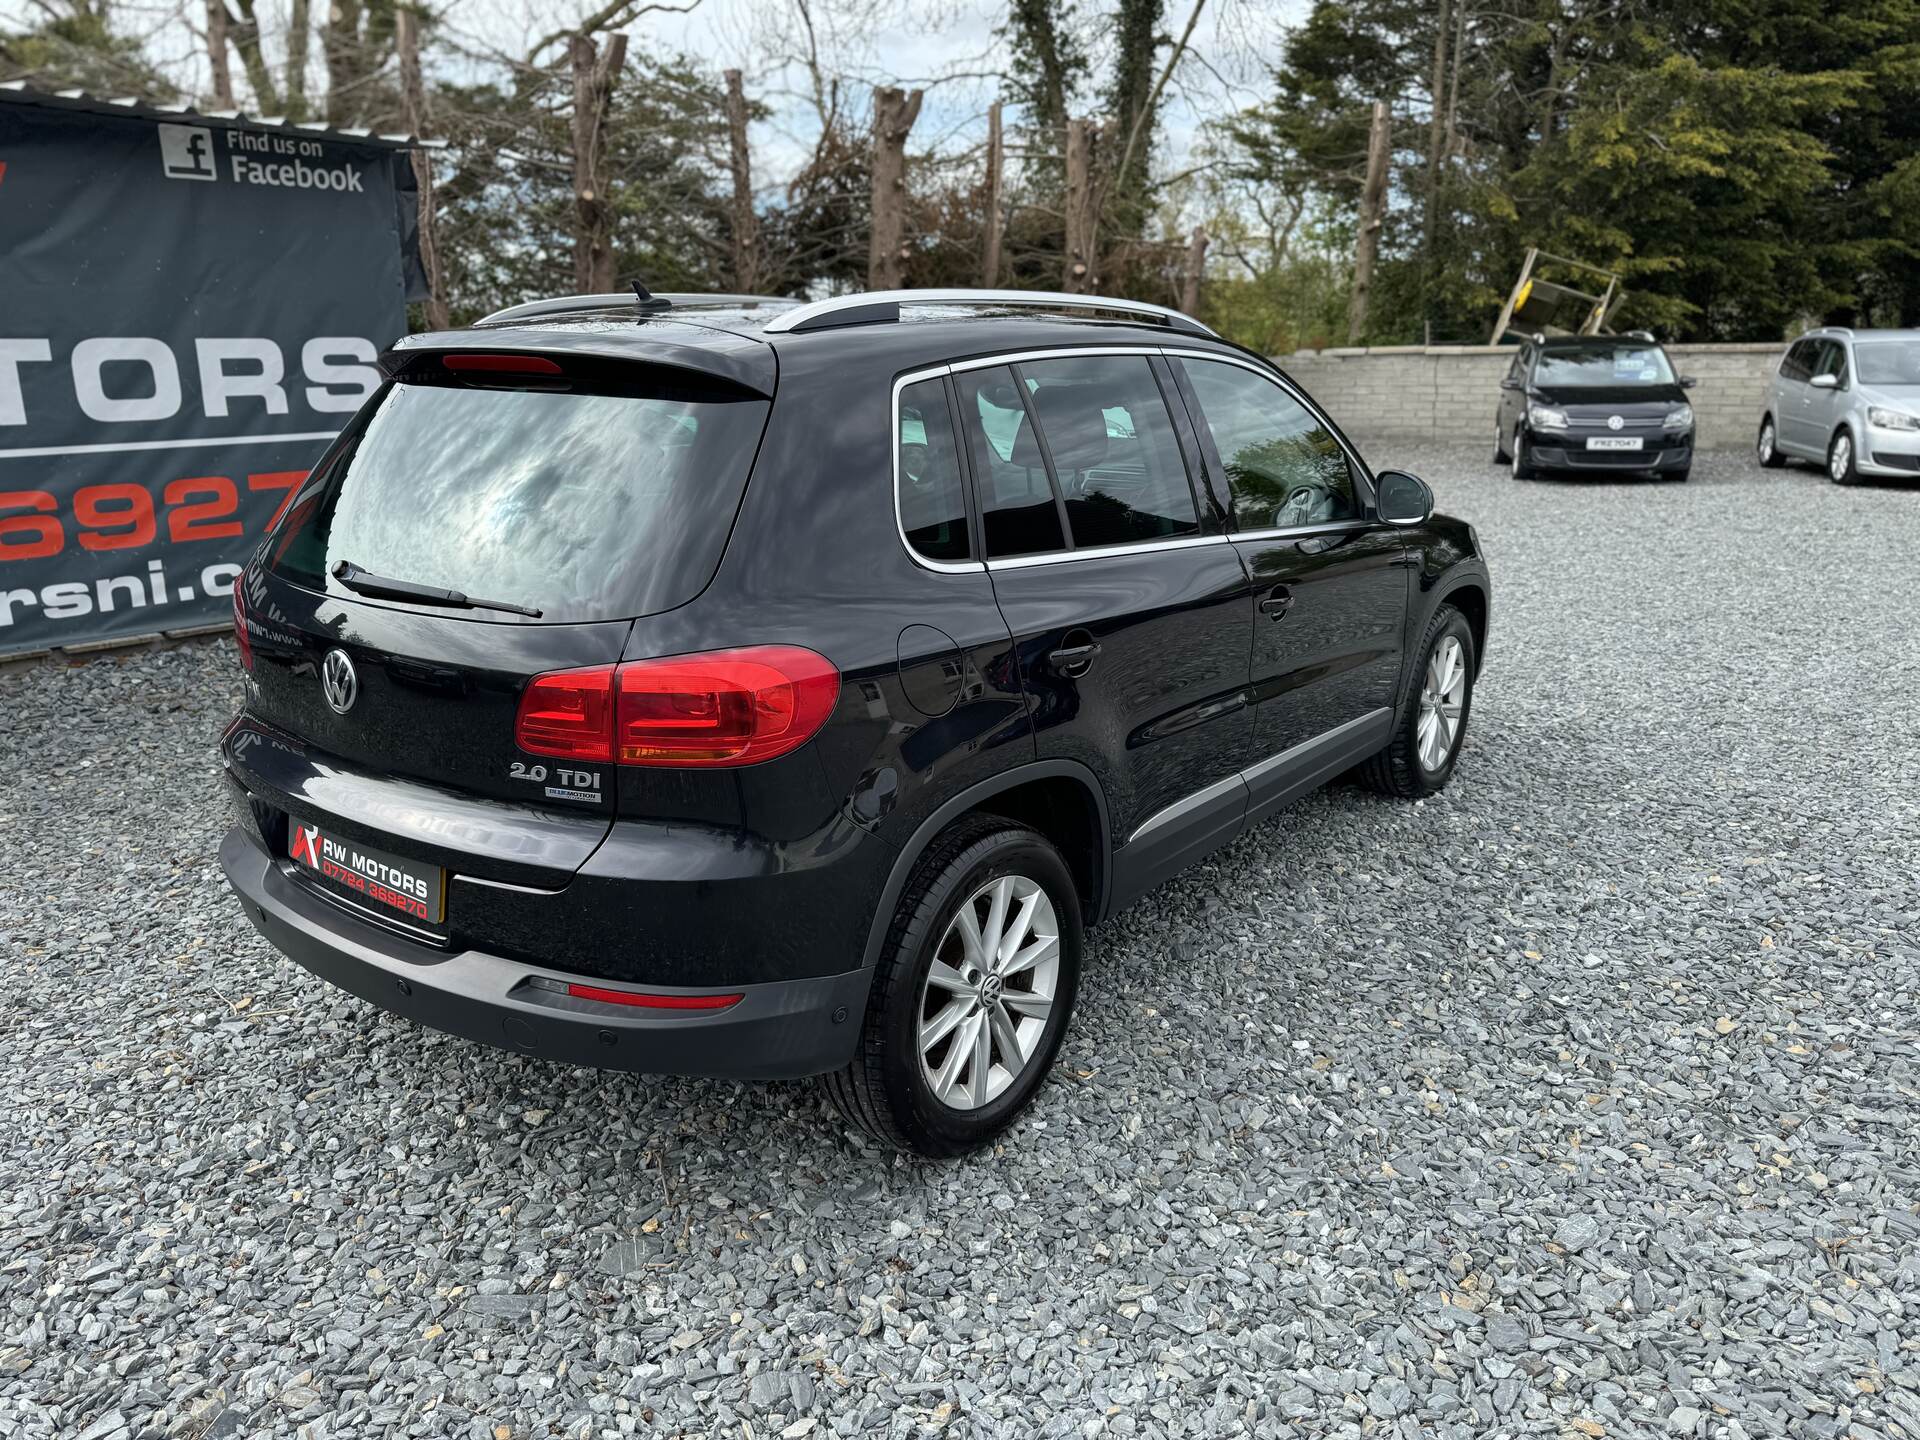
x,y
1062,799
1469,596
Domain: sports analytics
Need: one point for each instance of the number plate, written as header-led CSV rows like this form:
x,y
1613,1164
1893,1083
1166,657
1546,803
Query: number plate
x,y
405,887
1613,442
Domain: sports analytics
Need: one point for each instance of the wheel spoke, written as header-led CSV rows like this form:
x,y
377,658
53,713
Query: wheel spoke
x,y
968,923
938,1028
996,925
958,1054
1045,948
943,976
1017,932
1025,1002
982,1059
1006,1035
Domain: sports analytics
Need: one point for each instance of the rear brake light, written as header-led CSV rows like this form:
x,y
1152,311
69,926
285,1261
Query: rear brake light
x,y
507,364
240,636
568,713
653,1002
726,707
720,708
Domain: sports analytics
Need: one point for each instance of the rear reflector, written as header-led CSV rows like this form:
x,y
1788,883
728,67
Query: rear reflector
x,y
721,708
653,1002
499,364
568,713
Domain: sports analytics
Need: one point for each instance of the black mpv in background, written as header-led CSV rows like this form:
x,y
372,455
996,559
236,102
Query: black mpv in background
x,y
1594,402
742,688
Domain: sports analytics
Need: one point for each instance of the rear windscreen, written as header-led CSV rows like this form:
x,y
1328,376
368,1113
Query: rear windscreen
x,y
584,506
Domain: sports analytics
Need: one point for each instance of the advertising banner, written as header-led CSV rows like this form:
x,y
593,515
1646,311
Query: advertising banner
x,y
188,314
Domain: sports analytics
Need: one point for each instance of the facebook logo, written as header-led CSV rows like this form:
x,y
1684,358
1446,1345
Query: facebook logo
x,y
186,152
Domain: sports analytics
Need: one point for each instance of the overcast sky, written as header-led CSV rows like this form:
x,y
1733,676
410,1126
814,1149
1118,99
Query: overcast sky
x,y
941,45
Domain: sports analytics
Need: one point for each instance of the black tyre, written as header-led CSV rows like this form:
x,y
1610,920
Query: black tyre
x,y
1682,475
1500,456
1843,464
1766,446
1434,710
1522,462
959,1036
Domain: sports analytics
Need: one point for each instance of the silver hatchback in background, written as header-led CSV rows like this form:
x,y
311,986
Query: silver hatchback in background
x,y
1848,400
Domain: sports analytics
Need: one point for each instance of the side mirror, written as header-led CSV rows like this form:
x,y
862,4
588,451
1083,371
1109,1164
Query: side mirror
x,y
1687,382
1509,383
1403,499
1825,382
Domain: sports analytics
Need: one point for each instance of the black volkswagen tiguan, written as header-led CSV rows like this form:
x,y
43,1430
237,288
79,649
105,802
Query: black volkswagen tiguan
x,y
1601,402
742,688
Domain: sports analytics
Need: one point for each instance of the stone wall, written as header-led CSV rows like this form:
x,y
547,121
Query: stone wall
x,y
1447,394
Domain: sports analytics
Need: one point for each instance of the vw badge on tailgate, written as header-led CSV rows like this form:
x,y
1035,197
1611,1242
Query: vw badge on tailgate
x,y
338,682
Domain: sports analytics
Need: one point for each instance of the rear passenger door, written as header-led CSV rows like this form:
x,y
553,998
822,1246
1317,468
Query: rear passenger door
x,y
1128,607
1330,580
1790,391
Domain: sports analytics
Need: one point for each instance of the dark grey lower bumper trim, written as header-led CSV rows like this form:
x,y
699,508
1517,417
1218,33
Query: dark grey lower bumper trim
x,y
781,1030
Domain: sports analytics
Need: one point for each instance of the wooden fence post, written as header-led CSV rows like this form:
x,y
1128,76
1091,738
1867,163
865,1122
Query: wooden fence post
x,y
1195,271
413,102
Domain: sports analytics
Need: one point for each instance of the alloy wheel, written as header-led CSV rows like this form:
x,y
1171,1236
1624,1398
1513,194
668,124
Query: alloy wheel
x,y
1840,459
1516,452
989,992
1443,698
1766,442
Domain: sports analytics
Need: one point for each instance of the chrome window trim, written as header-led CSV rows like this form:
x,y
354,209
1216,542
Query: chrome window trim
x,y
1056,352
1294,532
1365,492
939,567
1105,552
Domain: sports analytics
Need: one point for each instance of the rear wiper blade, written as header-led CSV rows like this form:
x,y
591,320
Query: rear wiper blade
x,y
366,582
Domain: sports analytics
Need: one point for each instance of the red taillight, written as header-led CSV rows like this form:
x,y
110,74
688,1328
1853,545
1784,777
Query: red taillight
x,y
240,636
568,713
726,707
653,1002
502,364
721,708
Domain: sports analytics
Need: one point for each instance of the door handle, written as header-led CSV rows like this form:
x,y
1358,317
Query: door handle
x,y
1277,603
1074,660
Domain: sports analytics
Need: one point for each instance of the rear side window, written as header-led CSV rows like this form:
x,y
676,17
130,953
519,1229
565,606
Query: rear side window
x,y
1799,362
932,495
1018,510
1284,468
1113,448
582,505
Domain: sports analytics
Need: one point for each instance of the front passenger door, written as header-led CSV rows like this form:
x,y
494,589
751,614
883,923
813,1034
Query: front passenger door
x,y
1330,582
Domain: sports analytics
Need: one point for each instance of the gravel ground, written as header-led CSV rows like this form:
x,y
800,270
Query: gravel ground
x,y
1581,1100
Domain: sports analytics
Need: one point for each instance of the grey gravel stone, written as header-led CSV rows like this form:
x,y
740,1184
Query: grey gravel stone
x,y
1327,1100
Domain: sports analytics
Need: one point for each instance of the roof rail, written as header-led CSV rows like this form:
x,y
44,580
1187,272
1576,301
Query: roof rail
x,y
626,299
881,307
1646,335
1831,330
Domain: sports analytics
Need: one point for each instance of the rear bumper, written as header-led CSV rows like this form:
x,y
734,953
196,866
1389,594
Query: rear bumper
x,y
779,1030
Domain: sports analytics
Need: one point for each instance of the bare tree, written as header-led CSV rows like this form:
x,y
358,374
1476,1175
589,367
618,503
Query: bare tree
x,y
413,100
1373,200
217,59
745,226
1083,208
594,73
894,111
991,224
1195,271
